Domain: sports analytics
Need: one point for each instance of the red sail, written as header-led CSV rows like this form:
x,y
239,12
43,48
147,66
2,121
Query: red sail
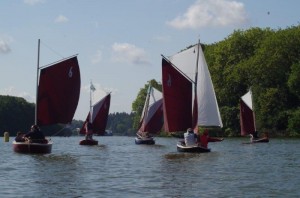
x,y
153,123
100,114
246,119
177,99
58,92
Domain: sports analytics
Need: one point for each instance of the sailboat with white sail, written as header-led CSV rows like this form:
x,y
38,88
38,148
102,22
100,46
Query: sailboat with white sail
x,y
96,119
57,96
247,119
151,121
188,95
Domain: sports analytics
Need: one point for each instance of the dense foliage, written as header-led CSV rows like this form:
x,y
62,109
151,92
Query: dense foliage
x,y
15,114
266,60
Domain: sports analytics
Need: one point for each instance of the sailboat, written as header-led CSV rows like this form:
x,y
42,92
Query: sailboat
x,y
151,121
97,117
247,119
189,98
57,98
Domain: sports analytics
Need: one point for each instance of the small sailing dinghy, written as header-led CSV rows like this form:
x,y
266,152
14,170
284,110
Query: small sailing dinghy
x,y
96,119
188,95
151,121
57,98
247,120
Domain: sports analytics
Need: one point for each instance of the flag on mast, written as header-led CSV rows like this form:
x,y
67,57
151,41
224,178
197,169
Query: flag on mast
x,y
92,87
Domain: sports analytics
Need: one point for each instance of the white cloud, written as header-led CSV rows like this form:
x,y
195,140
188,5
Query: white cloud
x,y
33,2
61,19
125,52
97,58
204,13
4,47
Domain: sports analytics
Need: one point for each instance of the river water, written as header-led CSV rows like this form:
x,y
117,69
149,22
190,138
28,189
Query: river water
x,y
117,167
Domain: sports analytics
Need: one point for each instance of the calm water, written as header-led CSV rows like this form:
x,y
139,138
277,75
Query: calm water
x,y
119,168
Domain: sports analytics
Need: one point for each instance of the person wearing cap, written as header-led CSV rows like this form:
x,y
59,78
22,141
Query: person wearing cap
x,y
190,138
35,135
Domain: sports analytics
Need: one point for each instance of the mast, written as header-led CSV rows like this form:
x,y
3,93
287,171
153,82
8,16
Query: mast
x,y
196,72
195,103
253,109
91,87
37,79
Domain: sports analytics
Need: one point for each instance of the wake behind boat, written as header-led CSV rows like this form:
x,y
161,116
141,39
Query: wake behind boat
x,y
189,98
151,120
57,98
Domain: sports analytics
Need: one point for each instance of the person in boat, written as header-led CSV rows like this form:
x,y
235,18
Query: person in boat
x,y
190,138
35,135
251,138
20,137
89,131
204,139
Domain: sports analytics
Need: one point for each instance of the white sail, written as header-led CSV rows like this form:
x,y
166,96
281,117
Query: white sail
x,y
186,62
152,97
247,98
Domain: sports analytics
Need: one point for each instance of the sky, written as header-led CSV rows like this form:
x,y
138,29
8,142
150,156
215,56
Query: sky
x,y
119,42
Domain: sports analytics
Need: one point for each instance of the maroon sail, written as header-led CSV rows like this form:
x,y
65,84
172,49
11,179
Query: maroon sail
x,y
58,92
152,121
100,114
177,98
246,119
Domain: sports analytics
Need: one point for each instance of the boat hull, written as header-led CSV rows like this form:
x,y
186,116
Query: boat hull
x,y
88,142
262,140
38,148
191,149
148,141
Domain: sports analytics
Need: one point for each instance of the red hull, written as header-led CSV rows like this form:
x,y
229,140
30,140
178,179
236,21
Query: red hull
x,y
23,147
88,142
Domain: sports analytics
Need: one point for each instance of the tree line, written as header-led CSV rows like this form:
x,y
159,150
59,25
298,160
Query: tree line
x,y
263,59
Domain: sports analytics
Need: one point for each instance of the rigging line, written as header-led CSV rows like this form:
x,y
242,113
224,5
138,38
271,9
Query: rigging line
x,y
52,50
59,131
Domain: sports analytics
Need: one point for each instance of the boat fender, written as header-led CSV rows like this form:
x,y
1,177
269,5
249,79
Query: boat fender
x,y
6,136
